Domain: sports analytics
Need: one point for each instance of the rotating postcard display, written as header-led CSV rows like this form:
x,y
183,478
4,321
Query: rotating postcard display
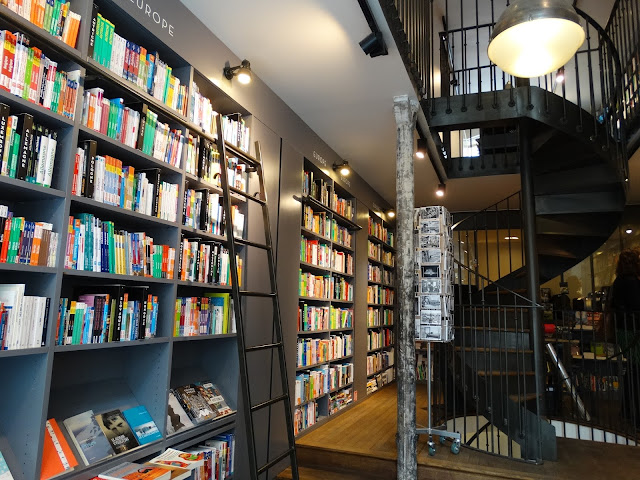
x,y
434,274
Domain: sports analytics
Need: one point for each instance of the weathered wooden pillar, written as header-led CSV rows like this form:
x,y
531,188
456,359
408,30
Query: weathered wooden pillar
x,y
405,111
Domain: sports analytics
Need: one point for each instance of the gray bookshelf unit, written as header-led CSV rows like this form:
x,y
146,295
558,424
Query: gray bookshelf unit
x,y
380,303
326,314
58,381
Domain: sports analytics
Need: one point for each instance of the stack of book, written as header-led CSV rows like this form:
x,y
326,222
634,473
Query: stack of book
x,y
202,112
193,404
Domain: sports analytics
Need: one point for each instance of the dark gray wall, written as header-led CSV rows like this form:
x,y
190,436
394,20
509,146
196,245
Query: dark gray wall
x,y
285,141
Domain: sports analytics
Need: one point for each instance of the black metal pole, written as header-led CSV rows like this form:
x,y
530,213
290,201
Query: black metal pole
x,y
531,258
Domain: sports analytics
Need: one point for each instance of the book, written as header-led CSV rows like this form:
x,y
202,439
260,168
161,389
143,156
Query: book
x,y
135,471
177,418
196,407
90,442
5,474
177,458
57,456
143,426
176,473
214,397
117,431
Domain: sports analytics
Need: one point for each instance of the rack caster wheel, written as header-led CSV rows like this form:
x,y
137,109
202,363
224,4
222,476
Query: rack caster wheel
x,y
455,447
432,448
442,439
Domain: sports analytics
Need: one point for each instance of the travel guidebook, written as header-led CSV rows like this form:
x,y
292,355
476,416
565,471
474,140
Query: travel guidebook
x,y
143,426
89,439
117,431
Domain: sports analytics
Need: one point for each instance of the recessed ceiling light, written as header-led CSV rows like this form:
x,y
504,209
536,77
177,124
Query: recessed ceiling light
x,y
628,230
512,238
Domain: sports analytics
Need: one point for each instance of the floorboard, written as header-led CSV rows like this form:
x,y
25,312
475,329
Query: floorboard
x,y
361,444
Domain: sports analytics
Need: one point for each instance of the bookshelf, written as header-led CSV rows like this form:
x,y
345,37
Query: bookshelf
x,y
325,327
60,380
380,303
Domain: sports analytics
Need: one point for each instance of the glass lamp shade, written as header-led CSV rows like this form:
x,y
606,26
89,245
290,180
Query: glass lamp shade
x,y
535,37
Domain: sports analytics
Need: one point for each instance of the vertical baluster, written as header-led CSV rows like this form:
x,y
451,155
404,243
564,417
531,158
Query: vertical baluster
x,y
592,98
509,234
564,99
578,101
546,94
479,74
463,41
604,99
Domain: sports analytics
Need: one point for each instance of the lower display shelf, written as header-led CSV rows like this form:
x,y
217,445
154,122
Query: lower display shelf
x,y
380,371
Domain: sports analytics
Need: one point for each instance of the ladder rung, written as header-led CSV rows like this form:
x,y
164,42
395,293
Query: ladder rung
x,y
263,347
251,244
249,293
279,458
281,398
247,196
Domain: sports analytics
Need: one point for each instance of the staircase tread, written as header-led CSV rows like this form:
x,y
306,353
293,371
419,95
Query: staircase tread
x,y
498,373
493,350
494,329
524,398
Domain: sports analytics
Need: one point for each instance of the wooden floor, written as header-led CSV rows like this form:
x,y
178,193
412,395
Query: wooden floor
x,y
360,444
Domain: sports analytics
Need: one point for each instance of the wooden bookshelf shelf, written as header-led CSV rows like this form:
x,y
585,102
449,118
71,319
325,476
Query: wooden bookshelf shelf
x,y
121,344
124,152
343,247
346,329
335,300
117,213
212,286
241,154
115,276
381,326
314,399
313,234
198,338
309,367
23,352
18,104
202,234
313,332
207,429
315,299
21,267
341,359
21,190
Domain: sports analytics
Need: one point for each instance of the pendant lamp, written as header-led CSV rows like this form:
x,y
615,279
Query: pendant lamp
x,y
535,37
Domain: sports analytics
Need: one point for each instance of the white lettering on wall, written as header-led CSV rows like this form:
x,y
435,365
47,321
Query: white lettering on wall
x,y
319,158
154,15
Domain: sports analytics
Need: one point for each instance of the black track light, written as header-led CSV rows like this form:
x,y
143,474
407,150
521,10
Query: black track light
x,y
242,71
343,168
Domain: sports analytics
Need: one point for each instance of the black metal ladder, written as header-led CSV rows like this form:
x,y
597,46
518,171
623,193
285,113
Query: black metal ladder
x,y
240,299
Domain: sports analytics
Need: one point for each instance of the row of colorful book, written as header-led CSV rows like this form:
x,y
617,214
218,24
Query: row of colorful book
x,y
28,73
27,150
26,242
23,318
95,245
54,16
312,318
311,351
107,313
208,315
203,159
135,64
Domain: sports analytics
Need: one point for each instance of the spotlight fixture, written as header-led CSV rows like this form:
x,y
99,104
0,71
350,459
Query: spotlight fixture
x,y
535,37
343,168
391,214
421,151
628,231
242,71
513,237
560,75
441,190
373,45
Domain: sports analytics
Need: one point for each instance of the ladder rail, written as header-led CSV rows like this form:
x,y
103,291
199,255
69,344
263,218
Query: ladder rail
x,y
239,303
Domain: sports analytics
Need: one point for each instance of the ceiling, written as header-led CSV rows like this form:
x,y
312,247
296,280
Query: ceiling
x,y
307,52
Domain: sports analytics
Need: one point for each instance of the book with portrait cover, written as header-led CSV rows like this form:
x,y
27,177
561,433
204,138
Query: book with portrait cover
x,y
88,437
117,431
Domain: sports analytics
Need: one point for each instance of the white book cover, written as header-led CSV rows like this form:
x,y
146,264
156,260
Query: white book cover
x,y
11,295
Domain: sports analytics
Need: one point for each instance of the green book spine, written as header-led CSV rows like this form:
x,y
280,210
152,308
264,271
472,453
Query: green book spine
x,y
112,249
99,46
109,42
14,238
111,129
167,78
15,150
48,10
55,16
27,75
